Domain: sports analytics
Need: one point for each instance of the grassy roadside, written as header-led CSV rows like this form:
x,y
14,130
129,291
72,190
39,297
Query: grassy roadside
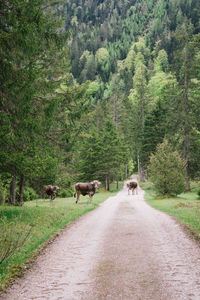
x,y
185,208
44,221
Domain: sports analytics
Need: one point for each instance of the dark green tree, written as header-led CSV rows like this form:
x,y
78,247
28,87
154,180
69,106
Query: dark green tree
x,y
187,73
101,153
34,64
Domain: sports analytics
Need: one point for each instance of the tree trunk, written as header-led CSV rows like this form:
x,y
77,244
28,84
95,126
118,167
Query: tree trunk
x,y
186,130
3,198
2,195
107,183
126,171
187,177
139,168
21,190
117,186
138,159
141,171
12,198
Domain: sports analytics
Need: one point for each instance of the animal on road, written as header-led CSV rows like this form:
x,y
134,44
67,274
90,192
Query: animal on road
x,y
132,186
86,188
51,191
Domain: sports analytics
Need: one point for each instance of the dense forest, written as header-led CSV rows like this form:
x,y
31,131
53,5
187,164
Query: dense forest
x,y
88,89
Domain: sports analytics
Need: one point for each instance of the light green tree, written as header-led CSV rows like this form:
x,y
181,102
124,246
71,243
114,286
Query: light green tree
x,y
166,170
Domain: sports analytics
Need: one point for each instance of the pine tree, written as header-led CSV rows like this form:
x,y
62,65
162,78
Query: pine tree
x,y
186,67
138,97
34,61
166,170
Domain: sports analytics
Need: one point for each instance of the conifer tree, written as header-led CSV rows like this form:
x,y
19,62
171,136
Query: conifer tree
x,y
186,67
166,170
34,62
139,99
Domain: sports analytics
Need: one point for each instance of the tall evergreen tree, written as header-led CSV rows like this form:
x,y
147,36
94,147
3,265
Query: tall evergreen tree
x,y
186,57
139,99
34,62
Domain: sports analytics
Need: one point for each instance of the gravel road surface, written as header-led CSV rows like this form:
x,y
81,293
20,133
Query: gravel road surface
x,y
122,250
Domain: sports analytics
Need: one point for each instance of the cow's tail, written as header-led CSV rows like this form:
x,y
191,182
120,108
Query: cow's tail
x,y
74,195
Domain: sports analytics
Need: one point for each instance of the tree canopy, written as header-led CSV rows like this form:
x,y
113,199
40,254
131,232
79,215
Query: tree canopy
x,y
86,87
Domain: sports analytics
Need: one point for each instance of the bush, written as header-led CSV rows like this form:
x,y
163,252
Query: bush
x,y
167,170
29,194
65,193
198,193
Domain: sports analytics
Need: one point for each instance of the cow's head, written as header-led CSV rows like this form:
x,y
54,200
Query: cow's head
x,y
96,183
55,188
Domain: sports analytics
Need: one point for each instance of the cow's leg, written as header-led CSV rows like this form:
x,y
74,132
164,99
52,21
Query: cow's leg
x,y
90,198
77,197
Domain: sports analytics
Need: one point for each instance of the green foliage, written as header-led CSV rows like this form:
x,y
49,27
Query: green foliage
x,y
161,62
139,38
101,153
29,194
102,55
154,131
40,101
133,54
65,184
166,170
28,101
65,193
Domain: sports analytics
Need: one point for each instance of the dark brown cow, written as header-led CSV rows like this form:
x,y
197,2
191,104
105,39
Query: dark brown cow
x,y
51,191
132,185
86,188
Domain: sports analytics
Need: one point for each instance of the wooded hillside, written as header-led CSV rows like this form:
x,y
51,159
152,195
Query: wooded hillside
x,y
90,88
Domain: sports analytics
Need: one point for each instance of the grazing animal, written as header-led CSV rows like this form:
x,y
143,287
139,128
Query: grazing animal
x,y
86,188
132,186
51,191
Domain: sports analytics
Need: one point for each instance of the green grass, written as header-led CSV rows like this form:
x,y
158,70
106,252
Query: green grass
x,y
185,207
44,221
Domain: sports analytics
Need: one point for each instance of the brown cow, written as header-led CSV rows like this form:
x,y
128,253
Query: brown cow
x,y
86,188
51,191
133,186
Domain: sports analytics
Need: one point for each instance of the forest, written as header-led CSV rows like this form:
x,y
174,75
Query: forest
x,y
89,89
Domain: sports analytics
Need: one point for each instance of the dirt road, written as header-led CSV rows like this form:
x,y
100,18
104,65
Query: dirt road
x,y
122,250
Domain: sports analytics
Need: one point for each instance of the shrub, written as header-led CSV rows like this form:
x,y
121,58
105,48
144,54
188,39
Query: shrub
x,y
167,170
29,194
65,193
